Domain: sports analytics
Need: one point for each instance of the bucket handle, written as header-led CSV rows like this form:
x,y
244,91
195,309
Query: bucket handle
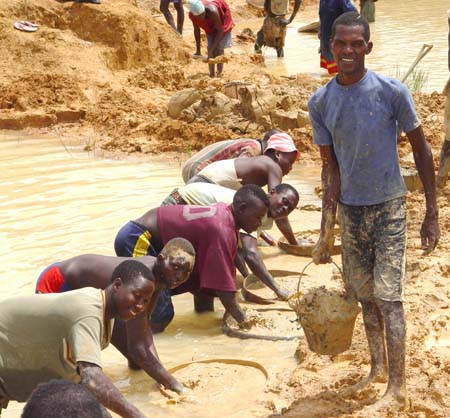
x,y
304,269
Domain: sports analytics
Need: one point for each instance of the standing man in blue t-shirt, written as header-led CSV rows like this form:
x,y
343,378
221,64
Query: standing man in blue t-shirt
x,y
356,119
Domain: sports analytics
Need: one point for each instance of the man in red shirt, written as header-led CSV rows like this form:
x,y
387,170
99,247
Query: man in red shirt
x,y
213,232
214,17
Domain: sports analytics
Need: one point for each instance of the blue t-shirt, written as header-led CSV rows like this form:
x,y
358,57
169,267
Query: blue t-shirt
x,y
362,122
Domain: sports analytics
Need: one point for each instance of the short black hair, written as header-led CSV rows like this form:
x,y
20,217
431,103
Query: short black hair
x,y
249,194
59,398
284,187
268,134
129,270
351,19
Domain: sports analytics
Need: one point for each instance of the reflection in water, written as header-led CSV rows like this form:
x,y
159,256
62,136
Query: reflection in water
x,y
400,30
58,202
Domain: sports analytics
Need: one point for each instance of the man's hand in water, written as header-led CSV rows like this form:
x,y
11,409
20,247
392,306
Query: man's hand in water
x,y
179,388
321,253
245,323
282,294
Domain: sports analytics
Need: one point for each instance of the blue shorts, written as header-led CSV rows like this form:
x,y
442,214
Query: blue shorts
x,y
163,312
134,240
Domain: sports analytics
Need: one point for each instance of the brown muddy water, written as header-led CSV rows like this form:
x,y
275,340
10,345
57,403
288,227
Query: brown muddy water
x,y
400,30
58,201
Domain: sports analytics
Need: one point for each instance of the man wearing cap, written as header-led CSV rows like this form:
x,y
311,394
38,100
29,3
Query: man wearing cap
x,y
231,148
214,17
267,169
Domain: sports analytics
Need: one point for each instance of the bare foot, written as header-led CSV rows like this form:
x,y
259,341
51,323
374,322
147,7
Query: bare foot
x,y
363,383
389,401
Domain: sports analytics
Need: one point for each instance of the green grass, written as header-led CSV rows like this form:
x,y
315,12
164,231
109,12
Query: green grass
x,y
416,81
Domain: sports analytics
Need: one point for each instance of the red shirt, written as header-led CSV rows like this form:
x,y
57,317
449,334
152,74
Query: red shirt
x,y
212,232
224,13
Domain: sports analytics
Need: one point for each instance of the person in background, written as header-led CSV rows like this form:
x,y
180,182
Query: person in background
x,y
367,9
273,31
231,148
329,10
214,17
444,160
178,5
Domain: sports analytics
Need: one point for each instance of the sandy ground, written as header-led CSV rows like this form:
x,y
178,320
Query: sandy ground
x,y
107,74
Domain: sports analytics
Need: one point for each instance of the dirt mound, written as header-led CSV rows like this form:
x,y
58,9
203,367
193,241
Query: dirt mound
x,y
169,76
41,91
130,37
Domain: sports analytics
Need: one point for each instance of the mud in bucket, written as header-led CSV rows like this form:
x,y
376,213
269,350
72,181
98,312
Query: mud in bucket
x,y
327,317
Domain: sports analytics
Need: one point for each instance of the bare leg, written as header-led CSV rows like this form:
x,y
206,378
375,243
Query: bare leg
x,y
444,165
180,16
203,302
394,318
373,324
212,70
218,53
164,8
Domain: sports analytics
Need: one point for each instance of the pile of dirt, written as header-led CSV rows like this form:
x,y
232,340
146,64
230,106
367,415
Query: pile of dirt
x,y
43,91
430,110
81,53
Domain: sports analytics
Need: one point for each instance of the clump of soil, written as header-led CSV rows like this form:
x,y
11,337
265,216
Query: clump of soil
x,y
41,91
267,322
169,76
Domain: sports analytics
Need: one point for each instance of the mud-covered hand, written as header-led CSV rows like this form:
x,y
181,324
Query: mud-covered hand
x,y
179,388
282,294
430,233
245,323
321,253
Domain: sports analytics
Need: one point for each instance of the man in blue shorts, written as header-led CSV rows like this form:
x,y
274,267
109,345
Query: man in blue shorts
x,y
356,120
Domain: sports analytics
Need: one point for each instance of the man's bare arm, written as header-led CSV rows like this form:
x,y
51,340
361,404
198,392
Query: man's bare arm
x,y
197,40
330,188
423,158
257,266
106,393
142,351
231,305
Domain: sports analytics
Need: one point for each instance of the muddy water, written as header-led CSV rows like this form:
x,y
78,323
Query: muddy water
x,y
58,201
400,30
